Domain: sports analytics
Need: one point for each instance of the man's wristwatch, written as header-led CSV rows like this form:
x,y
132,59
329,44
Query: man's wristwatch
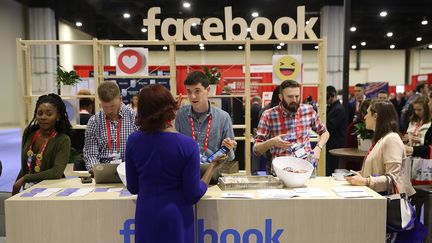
x,y
319,146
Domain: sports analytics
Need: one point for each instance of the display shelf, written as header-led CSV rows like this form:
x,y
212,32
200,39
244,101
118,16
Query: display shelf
x,y
137,76
25,77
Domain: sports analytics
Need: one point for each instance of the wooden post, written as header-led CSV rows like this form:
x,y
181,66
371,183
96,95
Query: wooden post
x,y
173,70
22,97
28,70
247,108
96,61
322,94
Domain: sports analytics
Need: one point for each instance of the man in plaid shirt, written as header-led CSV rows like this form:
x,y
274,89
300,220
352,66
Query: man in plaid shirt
x,y
107,131
288,124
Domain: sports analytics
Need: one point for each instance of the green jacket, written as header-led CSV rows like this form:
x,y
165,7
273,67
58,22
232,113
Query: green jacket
x,y
55,159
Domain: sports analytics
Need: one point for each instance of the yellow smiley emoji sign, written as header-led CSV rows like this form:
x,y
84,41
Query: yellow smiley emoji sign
x,y
287,67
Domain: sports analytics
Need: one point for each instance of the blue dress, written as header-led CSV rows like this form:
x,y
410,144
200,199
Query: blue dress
x,y
163,169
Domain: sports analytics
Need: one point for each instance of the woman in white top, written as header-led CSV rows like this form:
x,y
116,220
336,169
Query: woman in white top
x,y
134,103
419,122
386,154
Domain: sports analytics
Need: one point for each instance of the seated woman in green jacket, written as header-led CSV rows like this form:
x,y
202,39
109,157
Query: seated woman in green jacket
x,y
45,143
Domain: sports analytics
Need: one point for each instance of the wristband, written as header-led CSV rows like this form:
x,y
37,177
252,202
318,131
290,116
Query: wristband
x,y
319,146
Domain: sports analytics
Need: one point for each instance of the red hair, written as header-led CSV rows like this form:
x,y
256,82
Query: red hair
x,y
156,107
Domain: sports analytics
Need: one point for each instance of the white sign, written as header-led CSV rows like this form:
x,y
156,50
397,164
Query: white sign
x,y
132,61
213,28
287,67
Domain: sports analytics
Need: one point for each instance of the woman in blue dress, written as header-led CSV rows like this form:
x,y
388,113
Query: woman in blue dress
x,y
162,167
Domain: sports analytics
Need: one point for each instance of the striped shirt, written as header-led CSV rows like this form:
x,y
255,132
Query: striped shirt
x,y
96,136
270,126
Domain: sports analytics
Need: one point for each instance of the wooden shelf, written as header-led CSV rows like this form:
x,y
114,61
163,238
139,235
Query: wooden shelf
x,y
135,76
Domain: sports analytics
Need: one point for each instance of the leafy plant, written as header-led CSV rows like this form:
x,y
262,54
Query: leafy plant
x,y
66,78
361,131
212,74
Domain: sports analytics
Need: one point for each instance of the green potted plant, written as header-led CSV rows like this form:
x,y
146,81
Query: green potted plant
x,y
66,80
214,76
364,136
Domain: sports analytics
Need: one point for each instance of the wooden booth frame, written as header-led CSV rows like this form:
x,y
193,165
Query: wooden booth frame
x,y
25,82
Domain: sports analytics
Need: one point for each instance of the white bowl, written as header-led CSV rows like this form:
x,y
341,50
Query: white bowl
x,y
292,179
121,170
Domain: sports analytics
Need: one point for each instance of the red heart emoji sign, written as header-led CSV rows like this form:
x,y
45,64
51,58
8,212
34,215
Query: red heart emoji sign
x,y
130,61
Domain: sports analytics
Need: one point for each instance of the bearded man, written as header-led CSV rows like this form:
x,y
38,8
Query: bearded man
x,y
285,129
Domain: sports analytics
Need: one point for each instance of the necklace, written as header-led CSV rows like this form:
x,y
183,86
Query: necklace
x,y
39,156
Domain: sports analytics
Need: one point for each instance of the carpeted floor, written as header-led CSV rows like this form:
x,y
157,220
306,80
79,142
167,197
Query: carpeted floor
x,y
10,149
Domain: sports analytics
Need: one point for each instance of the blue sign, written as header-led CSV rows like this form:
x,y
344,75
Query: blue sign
x,y
268,236
127,232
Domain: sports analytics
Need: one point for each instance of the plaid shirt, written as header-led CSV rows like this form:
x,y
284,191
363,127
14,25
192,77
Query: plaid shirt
x,y
96,140
270,126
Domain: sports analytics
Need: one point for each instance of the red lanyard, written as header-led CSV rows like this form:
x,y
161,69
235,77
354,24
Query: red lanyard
x,y
39,156
416,128
109,134
194,136
297,124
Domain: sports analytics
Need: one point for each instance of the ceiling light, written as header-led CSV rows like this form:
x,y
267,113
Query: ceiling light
x,y
144,30
202,47
240,47
307,21
201,44
194,24
248,29
418,38
78,24
363,43
186,5
389,34
316,47
165,47
255,14
281,44
120,45
430,46
353,29
424,22
279,47
126,15
392,46
354,47
383,13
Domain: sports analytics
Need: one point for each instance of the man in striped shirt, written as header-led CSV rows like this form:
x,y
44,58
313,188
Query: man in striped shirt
x,y
107,131
289,125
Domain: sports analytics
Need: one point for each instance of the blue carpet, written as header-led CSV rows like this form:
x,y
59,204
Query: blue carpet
x,y
10,150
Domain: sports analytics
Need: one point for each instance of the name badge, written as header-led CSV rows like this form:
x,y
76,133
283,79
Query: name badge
x,y
115,158
300,153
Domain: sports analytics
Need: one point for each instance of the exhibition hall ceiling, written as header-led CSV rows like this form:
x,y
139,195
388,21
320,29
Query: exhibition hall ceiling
x,y
406,24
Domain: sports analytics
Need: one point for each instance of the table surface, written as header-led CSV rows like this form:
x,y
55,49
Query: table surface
x,y
326,184
348,152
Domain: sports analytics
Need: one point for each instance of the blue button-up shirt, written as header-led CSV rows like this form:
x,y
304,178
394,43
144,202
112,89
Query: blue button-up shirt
x,y
221,128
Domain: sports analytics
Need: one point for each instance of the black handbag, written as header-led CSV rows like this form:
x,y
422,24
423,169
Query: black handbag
x,y
400,213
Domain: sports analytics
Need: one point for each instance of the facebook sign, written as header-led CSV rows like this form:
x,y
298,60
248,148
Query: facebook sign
x,y
127,232
268,236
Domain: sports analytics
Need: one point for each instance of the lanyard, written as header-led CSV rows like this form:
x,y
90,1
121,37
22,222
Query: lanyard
x,y
416,128
39,156
194,136
109,134
297,124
